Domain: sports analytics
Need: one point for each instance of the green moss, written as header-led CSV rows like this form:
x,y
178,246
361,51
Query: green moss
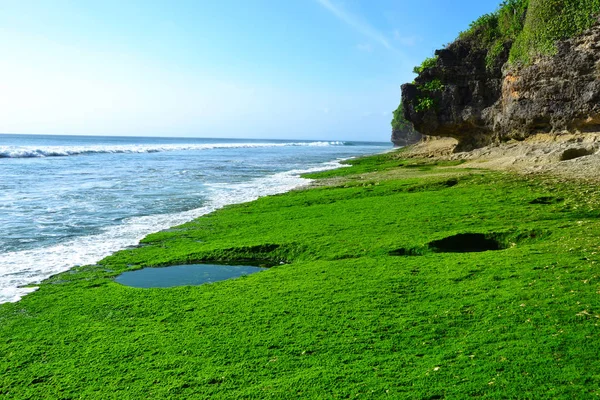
x,y
379,164
362,307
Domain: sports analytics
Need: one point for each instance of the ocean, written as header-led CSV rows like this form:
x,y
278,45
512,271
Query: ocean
x,y
73,200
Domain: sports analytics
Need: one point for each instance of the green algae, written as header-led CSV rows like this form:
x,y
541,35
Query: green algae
x,y
346,314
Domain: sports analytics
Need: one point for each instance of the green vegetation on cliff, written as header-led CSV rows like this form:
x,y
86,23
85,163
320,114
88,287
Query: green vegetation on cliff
x,y
371,300
499,29
528,27
399,123
427,63
551,20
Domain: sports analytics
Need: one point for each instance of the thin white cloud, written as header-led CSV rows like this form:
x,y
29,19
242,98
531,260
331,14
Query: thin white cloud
x,y
356,23
405,40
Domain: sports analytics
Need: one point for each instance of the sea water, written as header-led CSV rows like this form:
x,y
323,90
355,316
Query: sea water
x,y
73,200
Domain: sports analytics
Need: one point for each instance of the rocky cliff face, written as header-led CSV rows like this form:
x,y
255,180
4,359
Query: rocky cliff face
x,y
403,137
479,104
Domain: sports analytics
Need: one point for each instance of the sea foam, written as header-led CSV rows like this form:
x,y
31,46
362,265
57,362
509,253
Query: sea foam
x,y
65,151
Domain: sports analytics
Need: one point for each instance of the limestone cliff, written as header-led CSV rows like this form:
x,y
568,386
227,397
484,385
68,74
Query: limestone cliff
x,y
403,132
405,137
478,102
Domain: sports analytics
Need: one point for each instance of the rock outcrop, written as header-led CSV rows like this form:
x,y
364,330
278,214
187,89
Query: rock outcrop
x,y
405,137
479,104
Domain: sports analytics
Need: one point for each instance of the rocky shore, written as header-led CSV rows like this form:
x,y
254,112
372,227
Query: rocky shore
x,y
574,156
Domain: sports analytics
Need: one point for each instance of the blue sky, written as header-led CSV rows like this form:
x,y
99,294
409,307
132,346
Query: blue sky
x,y
289,69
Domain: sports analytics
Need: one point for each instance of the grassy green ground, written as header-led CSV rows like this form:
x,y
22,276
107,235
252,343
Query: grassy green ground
x,y
362,306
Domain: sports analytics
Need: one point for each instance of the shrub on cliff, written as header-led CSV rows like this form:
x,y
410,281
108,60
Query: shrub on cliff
x,y
429,62
495,30
399,123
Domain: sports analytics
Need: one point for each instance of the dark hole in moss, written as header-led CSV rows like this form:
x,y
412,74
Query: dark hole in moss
x,y
466,243
406,252
451,182
473,242
546,200
571,154
431,186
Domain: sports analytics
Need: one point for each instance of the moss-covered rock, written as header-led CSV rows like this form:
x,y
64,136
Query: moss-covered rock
x,y
530,67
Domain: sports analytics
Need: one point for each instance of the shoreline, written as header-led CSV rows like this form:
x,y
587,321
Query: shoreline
x,y
293,181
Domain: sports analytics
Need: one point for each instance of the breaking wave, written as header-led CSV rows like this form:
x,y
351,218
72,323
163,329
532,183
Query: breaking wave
x,y
65,151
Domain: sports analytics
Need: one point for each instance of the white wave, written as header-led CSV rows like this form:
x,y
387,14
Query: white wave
x,y
30,267
64,151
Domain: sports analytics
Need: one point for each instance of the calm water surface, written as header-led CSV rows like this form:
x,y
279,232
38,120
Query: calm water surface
x,y
184,275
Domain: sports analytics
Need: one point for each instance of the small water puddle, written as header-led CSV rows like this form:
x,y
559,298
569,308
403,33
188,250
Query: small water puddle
x,y
183,275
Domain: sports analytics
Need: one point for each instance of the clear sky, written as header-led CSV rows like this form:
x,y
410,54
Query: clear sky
x,y
289,69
